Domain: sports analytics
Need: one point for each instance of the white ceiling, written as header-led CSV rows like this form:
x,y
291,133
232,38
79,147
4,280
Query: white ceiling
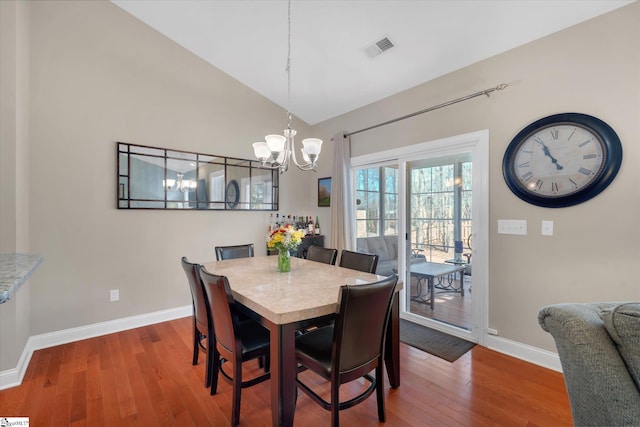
x,y
330,73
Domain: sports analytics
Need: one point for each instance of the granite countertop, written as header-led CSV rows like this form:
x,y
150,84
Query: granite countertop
x,y
15,269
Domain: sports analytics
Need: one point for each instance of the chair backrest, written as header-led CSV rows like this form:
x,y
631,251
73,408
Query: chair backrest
x,y
201,308
320,254
225,317
359,261
360,328
237,251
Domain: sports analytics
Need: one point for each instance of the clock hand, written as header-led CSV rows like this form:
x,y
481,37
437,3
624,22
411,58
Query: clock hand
x,y
547,153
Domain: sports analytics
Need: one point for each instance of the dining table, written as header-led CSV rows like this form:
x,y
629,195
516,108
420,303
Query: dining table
x,y
286,302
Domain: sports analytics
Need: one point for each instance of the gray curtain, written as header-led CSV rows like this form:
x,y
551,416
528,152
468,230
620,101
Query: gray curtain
x,y
342,229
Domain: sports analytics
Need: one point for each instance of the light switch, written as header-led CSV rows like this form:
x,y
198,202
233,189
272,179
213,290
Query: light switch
x,y
512,226
547,228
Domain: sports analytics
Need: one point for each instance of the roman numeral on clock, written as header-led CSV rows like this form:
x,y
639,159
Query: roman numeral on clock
x,y
584,171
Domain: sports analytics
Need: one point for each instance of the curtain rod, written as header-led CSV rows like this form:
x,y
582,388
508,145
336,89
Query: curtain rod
x,y
426,110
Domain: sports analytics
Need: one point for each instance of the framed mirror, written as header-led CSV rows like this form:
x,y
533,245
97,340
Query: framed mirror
x,y
160,178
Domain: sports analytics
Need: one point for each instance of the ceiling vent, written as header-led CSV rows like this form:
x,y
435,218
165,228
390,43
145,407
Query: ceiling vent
x,y
378,47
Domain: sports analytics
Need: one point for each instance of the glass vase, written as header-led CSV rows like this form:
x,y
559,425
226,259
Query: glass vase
x,y
284,261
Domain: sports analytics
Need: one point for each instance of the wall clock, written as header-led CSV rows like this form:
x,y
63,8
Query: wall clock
x,y
232,194
562,160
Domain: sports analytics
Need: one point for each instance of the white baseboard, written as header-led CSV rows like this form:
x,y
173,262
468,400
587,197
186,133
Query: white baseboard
x,y
525,352
13,377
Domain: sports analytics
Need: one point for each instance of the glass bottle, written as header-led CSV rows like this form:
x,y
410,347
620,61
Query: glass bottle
x,y
310,226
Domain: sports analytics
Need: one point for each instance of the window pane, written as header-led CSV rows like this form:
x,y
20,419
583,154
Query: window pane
x,y
466,197
361,201
361,179
466,176
373,208
390,203
390,180
391,227
373,179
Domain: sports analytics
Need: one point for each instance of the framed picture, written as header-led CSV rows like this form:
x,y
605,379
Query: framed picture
x,y
324,192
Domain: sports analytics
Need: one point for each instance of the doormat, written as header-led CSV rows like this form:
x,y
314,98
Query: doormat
x,y
438,343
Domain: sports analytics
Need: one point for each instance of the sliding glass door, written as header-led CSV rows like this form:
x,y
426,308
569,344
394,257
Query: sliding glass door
x,y
439,218
423,209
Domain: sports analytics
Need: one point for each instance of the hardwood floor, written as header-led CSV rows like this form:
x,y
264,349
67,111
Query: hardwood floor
x,y
144,377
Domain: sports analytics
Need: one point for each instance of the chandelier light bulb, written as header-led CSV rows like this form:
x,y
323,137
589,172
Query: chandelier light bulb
x,y
261,151
180,184
312,146
275,143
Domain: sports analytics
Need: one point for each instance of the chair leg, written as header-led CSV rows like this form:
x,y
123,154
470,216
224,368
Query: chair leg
x,y
380,392
215,369
335,404
208,374
237,390
196,343
267,363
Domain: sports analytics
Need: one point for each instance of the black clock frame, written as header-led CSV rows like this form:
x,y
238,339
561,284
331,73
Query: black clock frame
x,y
612,151
232,202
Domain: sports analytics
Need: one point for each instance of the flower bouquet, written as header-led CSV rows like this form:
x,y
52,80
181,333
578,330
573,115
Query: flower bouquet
x,y
284,239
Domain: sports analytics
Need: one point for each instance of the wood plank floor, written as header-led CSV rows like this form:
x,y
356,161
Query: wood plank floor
x,y
144,377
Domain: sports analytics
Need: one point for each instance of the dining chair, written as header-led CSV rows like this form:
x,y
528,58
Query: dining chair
x,y
235,341
341,352
359,261
202,327
236,251
320,254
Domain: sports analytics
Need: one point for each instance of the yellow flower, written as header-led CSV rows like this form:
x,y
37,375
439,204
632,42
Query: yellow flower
x,y
285,238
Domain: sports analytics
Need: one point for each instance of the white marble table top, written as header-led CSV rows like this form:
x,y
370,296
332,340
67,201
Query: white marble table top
x,y
15,269
309,290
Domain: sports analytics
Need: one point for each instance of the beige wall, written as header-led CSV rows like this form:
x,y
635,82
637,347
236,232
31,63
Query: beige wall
x,y
98,76
592,68
15,315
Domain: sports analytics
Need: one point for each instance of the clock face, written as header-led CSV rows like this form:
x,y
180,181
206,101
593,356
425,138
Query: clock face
x,y
562,160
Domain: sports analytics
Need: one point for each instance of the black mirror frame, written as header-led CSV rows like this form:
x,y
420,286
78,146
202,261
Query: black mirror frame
x,y
195,199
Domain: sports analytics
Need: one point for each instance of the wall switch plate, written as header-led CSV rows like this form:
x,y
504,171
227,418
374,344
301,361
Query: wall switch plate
x,y
512,226
114,295
547,228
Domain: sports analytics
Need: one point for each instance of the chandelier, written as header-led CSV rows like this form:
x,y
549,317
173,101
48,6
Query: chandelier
x,y
277,151
180,184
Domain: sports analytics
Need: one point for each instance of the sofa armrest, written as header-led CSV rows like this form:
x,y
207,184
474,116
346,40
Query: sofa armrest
x,y
599,385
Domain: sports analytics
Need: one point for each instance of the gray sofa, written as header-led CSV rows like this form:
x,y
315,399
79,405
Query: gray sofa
x,y
386,247
599,349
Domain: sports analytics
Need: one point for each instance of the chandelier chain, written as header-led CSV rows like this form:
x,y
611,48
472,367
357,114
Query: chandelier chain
x,y
289,62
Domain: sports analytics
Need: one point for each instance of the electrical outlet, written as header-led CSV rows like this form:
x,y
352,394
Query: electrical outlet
x,y
547,228
492,331
114,295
